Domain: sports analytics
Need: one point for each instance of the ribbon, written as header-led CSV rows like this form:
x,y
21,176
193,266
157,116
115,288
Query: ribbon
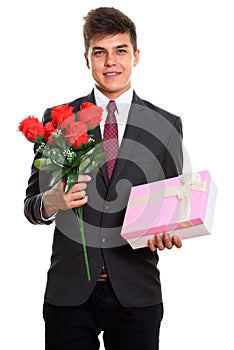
x,y
188,183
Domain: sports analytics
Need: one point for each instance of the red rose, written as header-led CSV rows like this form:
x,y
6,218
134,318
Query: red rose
x,y
61,113
85,105
91,115
31,127
49,129
83,139
75,132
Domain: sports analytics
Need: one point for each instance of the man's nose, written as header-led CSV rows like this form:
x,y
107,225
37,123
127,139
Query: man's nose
x,y
110,60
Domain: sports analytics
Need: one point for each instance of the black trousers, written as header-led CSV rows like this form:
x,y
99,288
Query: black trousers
x,y
77,328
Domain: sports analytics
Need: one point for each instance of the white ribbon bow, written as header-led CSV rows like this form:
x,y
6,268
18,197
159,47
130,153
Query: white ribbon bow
x,y
189,182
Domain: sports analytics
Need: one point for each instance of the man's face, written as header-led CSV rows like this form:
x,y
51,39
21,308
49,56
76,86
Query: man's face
x,y
111,60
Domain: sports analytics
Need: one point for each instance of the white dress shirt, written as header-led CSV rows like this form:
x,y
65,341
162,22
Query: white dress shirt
x,y
123,103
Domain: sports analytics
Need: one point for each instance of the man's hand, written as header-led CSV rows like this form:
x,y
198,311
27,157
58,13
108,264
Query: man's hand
x,y
164,241
56,199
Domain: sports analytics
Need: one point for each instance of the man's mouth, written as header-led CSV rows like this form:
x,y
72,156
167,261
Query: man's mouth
x,y
111,74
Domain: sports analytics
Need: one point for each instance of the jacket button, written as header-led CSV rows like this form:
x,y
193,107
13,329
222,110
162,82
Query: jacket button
x,y
109,209
104,240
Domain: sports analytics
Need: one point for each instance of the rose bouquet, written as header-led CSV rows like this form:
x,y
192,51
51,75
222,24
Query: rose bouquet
x,y
67,147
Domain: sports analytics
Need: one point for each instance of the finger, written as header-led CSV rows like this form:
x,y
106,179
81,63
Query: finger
x,y
177,241
80,195
78,187
78,203
151,245
84,178
159,242
167,241
75,196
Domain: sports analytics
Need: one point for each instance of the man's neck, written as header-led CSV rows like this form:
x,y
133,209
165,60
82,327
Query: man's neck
x,y
125,97
113,95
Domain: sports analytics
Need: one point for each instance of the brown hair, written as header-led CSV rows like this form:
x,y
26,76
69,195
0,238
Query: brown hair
x,y
107,21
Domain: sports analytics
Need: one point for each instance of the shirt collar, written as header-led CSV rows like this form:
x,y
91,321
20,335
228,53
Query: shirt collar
x,y
121,102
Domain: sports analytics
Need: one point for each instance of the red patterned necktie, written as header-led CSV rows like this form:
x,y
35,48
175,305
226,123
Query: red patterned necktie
x,y
111,144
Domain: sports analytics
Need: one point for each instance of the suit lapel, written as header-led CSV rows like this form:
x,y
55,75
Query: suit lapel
x,y
97,136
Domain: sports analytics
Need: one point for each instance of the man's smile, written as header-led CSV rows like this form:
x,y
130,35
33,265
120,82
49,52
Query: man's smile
x,y
111,74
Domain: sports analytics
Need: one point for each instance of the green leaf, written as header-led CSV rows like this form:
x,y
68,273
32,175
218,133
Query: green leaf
x,y
56,176
90,152
90,168
77,162
84,164
72,178
98,144
100,172
39,139
99,156
41,162
50,168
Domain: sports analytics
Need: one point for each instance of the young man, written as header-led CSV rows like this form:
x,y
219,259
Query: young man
x,y
123,298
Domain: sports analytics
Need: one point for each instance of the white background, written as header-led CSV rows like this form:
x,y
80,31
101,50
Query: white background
x,y
186,68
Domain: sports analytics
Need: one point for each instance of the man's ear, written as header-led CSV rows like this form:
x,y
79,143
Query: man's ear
x,y
87,60
136,57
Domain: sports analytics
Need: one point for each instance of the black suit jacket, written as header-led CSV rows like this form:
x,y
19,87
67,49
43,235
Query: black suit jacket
x,y
151,150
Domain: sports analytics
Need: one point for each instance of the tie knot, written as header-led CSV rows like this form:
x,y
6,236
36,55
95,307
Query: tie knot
x,y
111,107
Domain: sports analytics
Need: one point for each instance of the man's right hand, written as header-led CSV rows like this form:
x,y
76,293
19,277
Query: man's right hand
x,y
56,199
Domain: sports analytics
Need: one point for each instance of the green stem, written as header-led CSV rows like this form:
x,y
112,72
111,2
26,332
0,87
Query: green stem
x,y
79,214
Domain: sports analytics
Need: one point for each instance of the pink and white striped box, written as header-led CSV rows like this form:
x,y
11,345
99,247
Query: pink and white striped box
x,y
182,205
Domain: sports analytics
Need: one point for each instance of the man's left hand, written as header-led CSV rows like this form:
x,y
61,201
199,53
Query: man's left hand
x,y
164,241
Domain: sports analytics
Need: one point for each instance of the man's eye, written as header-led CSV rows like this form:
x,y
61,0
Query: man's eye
x,y
98,53
121,51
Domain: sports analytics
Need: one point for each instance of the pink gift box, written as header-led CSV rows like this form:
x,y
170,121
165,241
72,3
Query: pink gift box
x,y
182,205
